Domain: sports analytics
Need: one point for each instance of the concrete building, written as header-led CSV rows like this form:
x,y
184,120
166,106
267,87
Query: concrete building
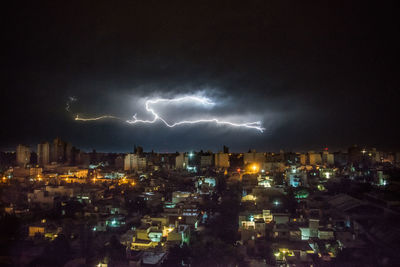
x,y
128,162
273,166
254,157
303,159
134,162
60,151
179,196
354,154
221,160
181,161
23,155
251,226
44,197
179,235
119,162
68,153
43,152
57,151
314,158
328,158
206,160
295,177
35,172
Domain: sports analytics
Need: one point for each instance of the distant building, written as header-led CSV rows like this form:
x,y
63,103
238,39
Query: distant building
x,y
254,157
43,152
128,162
221,160
181,161
340,158
68,153
206,160
45,197
135,162
291,158
273,167
303,159
119,162
60,151
35,172
181,196
314,158
23,155
84,159
327,158
397,159
354,154
296,177
57,151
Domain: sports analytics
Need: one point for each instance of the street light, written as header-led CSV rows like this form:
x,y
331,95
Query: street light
x,y
254,168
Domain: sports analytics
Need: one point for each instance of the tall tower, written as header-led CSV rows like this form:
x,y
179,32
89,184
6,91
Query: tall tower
x,y
58,151
23,155
68,153
43,152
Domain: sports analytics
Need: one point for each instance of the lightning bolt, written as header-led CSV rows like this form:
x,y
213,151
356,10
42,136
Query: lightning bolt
x,y
156,117
77,118
70,100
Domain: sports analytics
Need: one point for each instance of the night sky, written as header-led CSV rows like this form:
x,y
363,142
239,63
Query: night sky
x,y
316,74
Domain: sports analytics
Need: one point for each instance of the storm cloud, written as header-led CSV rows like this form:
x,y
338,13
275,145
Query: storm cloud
x,y
316,75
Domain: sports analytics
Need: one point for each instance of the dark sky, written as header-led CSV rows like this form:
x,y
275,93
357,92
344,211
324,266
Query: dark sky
x,y
315,73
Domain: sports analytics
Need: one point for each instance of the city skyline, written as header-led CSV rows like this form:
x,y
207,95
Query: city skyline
x,y
200,133
220,148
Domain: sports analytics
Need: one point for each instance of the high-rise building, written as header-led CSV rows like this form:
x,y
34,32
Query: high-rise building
x,y
314,158
328,158
303,159
68,153
206,160
254,157
61,151
295,177
119,162
23,155
58,151
354,154
43,152
221,160
134,162
128,162
181,161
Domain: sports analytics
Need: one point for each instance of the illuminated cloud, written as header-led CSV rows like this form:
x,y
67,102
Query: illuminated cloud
x,y
204,102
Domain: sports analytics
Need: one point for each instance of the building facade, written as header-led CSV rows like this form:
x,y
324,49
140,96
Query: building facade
x,y
23,155
43,152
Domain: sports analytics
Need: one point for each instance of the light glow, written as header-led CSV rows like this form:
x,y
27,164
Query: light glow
x,y
156,117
